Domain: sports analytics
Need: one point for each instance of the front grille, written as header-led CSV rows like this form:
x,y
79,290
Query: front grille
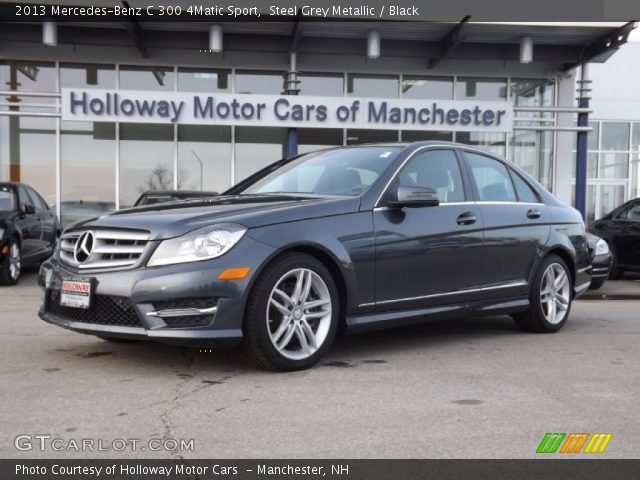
x,y
103,248
106,310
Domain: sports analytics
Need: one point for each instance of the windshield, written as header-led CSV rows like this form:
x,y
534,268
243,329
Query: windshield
x,y
7,199
346,171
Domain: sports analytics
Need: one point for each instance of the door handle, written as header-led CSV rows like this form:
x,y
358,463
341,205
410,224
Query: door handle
x,y
466,218
534,213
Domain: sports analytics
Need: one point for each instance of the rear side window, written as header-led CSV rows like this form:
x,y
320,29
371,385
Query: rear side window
x,y
524,191
491,178
436,169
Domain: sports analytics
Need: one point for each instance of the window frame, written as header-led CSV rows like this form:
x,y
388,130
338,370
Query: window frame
x,y
383,199
513,173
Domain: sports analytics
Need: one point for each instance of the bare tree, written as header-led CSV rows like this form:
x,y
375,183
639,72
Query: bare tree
x,y
161,178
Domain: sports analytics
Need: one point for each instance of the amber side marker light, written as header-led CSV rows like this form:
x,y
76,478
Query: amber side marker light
x,y
234,273
5,249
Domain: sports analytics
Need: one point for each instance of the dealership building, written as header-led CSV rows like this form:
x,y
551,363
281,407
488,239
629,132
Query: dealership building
x,y
94,114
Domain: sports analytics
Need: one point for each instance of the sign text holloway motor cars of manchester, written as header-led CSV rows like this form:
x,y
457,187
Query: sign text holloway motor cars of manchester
x,y
285,111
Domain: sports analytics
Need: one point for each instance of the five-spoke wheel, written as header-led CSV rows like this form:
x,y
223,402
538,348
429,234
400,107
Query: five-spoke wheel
x,y
292,313
550,298
12,268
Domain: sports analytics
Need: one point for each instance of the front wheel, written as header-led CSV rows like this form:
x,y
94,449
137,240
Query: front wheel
x,y
12,266
292,314
550,298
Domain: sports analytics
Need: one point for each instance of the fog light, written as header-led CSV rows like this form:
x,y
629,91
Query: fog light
x,y
234,273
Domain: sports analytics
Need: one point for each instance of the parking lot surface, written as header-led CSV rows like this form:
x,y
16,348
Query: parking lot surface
x,y
472,388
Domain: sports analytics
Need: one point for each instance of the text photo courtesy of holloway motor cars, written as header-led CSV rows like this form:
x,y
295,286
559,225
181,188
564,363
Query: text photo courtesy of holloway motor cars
x,y
309,240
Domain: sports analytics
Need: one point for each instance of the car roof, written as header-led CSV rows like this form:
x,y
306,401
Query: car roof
x,y
178,192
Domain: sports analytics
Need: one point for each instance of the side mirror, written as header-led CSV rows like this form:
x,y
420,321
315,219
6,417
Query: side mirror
x,y
415,196
28,209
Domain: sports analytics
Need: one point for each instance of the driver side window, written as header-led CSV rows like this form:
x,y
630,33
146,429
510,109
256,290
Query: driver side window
x,y
24,197
632,213
437,169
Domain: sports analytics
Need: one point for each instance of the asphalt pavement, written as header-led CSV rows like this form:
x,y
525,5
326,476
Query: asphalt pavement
x,y
471,388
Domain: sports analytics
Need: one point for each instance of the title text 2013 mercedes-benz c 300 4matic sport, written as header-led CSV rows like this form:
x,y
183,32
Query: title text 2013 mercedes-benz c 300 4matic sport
x,y
340,240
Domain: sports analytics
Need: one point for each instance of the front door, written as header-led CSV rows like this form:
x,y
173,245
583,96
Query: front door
x,y
428,255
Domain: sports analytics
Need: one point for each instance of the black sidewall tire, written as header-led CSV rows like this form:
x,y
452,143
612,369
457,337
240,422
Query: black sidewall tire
x,y
616,272
534,320
258,344
5,277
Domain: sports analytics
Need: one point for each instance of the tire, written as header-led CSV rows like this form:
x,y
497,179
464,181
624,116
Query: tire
x,y
616,272
276,314
11,269
597,283
537,318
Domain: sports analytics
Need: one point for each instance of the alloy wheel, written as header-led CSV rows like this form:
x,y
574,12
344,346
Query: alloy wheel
x,y
15,263
299,314
555,294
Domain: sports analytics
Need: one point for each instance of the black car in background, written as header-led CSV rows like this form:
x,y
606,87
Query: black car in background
x,y
346,239
28,230
621,230
151,197
600,260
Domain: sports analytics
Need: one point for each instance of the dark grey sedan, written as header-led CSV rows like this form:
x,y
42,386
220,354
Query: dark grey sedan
x,y
341,240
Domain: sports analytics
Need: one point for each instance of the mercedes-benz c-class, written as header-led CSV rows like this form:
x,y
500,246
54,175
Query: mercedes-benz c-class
x,y
336,241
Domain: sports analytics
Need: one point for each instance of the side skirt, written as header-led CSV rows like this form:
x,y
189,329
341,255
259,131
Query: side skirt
x,y
375,321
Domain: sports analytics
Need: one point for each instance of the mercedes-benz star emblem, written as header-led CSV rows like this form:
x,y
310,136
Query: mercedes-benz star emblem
x,y
84,247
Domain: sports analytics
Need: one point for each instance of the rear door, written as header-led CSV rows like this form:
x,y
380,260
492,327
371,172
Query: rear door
x,y
428,255
516,222
627,237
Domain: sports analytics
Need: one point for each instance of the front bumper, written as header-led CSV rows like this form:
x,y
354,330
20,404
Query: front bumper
x,y
182,304
601,265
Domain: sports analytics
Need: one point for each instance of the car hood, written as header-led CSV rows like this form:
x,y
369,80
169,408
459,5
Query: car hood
x,y
174,219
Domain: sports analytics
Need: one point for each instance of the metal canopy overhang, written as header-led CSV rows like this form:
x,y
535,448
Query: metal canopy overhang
x,y
573,43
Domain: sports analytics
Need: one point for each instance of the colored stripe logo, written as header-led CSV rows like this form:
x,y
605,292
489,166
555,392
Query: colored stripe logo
x,y
574,443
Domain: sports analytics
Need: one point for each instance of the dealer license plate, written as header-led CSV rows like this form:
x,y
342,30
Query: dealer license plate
x,y
75,293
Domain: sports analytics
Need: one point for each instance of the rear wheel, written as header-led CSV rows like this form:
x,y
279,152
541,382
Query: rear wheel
x,y
292,314
12,265
550,298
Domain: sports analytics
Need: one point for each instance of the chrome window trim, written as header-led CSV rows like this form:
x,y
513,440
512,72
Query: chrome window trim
x,y
521,283
453,147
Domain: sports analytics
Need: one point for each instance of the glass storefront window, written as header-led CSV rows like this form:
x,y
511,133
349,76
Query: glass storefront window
x,y
533,93
615,136
88,170
204,80
372,86
357,136
489,141
481,88
611,196
430,88
204,157
635,137
614,165
27,77
146,160
252,81
147,78
321,84
86,75
421,135
311,139
592,136
255,148
28,153
533,152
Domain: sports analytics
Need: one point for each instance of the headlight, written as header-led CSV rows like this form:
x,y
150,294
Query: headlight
x,y
202,244
602,247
